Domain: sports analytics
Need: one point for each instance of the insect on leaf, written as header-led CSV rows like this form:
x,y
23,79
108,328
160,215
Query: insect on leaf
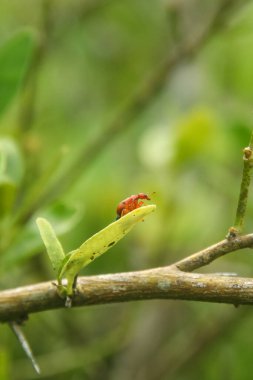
x,y
99,243
53,246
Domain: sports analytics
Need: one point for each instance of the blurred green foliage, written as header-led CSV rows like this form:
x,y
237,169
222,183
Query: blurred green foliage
x,y
70,152
14,58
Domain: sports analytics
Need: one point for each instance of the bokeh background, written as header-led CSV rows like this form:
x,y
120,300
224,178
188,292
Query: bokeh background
x,y
100,100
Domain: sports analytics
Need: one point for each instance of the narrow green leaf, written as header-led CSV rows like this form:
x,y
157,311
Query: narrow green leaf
x,y
99,243
27,242
14,58
53,246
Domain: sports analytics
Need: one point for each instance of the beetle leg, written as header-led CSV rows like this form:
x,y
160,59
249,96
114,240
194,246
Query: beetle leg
x,y
124,212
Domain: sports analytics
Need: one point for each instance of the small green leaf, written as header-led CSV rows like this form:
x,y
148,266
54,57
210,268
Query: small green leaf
x,y
99,243
27,242
53,246
14,58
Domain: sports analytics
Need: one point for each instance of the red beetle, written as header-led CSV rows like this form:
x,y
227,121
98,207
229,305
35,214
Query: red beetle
x,y
130,204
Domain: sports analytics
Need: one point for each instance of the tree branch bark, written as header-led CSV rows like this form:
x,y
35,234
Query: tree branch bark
x,y
209,254
158,283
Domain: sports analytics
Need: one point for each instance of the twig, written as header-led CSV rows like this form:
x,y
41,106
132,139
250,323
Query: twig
x,y
209,254
243,197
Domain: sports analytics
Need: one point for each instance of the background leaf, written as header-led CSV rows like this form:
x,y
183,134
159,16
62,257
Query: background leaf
x,y
15,55
11,173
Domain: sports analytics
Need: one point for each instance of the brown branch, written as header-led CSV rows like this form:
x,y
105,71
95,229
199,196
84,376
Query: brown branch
x,y
159,283
209,254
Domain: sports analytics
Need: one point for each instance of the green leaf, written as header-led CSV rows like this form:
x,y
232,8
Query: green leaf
x,y
11,162
14,58
53,246
27,242
11,172
99,243
195,136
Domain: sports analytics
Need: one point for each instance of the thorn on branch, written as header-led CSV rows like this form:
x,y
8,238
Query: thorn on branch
x,y
15,327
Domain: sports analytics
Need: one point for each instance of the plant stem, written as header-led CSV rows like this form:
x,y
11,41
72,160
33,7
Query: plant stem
x,y
243,197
